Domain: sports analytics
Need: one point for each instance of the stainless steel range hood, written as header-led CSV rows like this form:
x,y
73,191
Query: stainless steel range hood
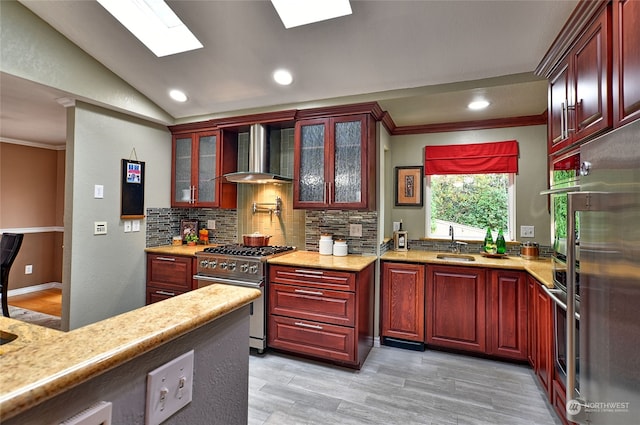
x,y
258,160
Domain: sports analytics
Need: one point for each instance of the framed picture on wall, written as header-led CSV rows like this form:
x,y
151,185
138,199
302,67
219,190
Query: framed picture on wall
x,y
409,186
188,227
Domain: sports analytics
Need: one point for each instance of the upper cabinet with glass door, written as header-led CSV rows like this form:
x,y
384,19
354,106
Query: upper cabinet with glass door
x,y
335,163
197,169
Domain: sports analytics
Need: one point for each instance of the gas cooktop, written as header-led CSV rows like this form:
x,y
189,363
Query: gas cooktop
x,y
248,251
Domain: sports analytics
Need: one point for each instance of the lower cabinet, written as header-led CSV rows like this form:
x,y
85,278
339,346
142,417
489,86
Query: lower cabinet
x,y
559,401
544,352
507,314
168,276
403,302
324,314
456,308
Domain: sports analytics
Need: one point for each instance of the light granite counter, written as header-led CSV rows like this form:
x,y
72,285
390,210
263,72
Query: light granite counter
x,y
42,363
185,250
351,263
540,269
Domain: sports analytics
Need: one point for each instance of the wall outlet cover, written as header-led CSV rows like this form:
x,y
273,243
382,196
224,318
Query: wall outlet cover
x,y
527,231
127,226
355,230
211,224
135,226
98,191
28,269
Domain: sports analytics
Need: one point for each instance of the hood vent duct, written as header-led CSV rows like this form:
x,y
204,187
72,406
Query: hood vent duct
x,y
258,160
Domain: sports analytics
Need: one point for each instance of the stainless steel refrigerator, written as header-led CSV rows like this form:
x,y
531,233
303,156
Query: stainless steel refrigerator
x,y
607,373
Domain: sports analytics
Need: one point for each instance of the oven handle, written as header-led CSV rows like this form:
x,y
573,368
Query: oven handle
x,y
553,294
229,281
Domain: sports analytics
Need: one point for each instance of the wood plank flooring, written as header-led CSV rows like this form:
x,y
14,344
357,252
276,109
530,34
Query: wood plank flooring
x,y
395,386
48,301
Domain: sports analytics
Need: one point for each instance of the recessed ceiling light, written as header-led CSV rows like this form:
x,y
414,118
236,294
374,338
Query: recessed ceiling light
x,y
154,24
178,95
478,104
294,13
283,77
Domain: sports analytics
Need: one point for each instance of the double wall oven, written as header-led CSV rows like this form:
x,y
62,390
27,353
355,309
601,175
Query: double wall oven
x,y
564,178
241,265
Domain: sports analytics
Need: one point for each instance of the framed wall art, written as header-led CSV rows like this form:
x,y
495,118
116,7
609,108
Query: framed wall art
x,y
409,186
188,227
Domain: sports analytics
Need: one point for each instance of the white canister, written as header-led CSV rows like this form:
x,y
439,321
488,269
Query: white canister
x,y
325,245
340,248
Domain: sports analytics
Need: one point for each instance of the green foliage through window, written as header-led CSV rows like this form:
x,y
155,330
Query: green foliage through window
x,y
473,200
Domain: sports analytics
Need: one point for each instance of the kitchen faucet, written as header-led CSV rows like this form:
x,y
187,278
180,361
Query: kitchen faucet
x,y
455,245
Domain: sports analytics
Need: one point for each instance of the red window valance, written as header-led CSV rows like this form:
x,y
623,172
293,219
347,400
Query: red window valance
x,y
479,158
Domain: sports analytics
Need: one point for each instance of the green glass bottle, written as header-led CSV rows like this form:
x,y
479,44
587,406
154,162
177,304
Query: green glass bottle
x,y
501,244
488,241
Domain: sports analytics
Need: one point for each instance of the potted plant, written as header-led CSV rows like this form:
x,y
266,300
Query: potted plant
x,y
191,239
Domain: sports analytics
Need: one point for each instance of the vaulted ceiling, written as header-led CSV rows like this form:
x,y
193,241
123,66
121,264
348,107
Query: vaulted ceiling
x,y
423,61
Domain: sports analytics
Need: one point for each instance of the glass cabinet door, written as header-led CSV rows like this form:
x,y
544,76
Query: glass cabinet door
x,y
182,170
207,156
347,185
312,184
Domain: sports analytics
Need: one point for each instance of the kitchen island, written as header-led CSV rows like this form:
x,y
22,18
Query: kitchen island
x,y
54,375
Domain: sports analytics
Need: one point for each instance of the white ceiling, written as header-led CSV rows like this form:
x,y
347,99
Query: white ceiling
x,y
422,60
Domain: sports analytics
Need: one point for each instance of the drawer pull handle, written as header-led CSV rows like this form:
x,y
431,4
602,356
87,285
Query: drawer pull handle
x,y
302,291
318,272
171,294
306,325
165,259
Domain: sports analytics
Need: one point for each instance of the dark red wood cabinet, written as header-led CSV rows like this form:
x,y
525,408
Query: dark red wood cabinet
x,y
456,312
168,276
325,314
544,339
507,314
579,87
626,61
402,305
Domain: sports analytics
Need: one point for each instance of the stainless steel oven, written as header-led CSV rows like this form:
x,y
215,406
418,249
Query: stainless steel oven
x,y
559,296
241,265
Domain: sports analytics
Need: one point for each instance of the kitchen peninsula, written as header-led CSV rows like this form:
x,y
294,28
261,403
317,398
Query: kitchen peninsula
x,y
56,375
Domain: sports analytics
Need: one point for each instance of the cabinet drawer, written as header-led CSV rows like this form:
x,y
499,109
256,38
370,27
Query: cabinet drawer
x,y
169,272
157,294
321,305
317,278
312,338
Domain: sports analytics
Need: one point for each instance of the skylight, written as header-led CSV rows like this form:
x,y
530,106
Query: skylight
x,y
154,24
294,13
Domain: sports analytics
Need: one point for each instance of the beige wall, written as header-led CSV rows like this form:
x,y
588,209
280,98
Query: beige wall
x,y
31,201
531,207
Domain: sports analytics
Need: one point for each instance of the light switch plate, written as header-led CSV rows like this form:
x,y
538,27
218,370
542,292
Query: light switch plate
x,y
527,231
127,226
98,191
169,389
136,226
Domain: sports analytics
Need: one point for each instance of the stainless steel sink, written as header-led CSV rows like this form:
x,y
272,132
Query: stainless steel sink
x,y
456,257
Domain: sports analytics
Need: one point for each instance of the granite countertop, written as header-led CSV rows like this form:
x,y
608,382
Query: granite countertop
x,y
541,269
350,263
184,250
42,363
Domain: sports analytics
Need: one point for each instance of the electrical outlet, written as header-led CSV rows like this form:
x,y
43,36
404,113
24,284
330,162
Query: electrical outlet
x,y
127,226
355,230
527,231
136,226
28,269
169,389
211,224
100,228
396,226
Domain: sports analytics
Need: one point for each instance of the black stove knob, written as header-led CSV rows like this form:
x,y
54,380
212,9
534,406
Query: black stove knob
x,y
244,267
223,265
231,266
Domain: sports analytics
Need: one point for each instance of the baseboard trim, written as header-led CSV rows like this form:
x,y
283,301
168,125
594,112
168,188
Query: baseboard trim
x,y
33,288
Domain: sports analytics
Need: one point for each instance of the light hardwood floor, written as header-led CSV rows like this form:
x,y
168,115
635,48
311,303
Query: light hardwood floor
x,y
395,386
48,301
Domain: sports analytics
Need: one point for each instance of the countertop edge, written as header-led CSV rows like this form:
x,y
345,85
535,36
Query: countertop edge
x,y
47,382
